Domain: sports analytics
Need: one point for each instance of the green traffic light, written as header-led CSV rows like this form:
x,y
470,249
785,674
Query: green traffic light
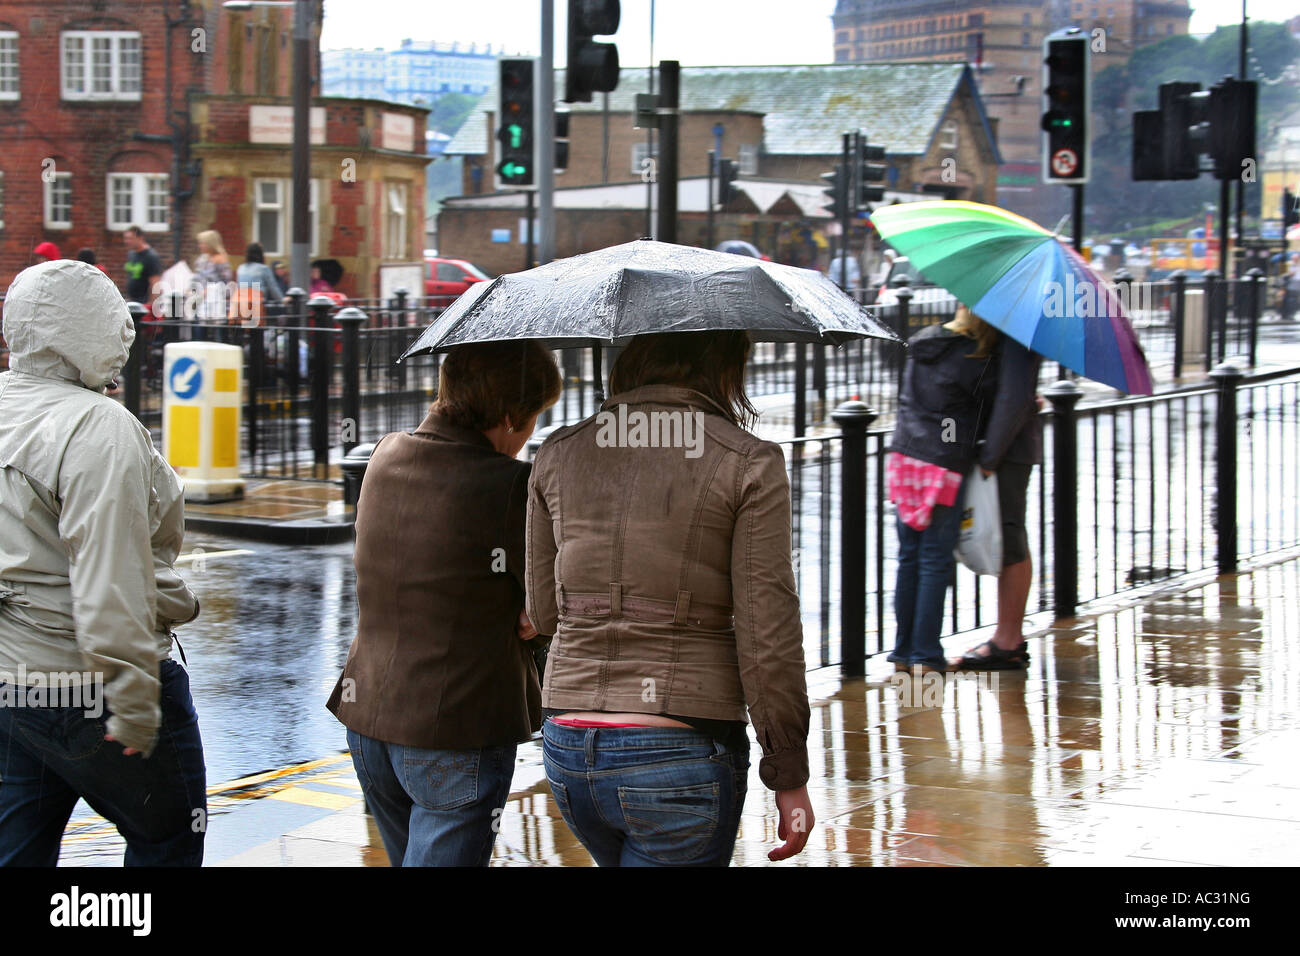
x,y
511,170
516,135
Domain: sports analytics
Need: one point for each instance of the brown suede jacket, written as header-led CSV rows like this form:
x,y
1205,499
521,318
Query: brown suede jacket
x,y
659,557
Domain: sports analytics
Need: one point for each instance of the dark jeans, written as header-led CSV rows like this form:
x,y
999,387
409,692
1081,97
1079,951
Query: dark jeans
x,y
925,566
648,796
50,756
434,807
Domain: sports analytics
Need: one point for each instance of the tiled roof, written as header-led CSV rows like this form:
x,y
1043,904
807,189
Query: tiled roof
x,y
805,108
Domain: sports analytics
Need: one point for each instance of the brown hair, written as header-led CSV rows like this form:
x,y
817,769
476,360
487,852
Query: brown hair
x,y
479,385
969,324
711,363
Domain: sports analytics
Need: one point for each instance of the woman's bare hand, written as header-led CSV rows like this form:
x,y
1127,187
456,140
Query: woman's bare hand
x,y
525,627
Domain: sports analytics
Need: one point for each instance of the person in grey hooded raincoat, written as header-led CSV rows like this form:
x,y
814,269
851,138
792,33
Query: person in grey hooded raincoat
x,y
91,523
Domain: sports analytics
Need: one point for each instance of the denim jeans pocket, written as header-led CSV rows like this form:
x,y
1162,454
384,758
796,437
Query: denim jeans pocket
x,y
440,779
671,824
560,793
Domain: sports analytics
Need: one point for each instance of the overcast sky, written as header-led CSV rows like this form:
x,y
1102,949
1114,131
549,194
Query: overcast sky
x,y
696,32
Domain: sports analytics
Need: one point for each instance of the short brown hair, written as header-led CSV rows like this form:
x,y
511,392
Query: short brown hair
x,y
479,385
711,363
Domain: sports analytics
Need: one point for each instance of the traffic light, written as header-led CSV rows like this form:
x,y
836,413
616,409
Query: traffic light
x,y
1290,210
727,191
837,192
515,110
1183,107
871,169
591,67
561,140
1067,151
1232,125
1148,145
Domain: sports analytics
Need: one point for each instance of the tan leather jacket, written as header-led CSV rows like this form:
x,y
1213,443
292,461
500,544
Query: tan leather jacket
x,y
665,572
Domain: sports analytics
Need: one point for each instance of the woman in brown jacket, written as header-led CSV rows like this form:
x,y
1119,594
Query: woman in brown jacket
x,y
439,687
659,557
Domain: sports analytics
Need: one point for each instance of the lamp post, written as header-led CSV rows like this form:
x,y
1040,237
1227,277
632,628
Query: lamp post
x,y
300,244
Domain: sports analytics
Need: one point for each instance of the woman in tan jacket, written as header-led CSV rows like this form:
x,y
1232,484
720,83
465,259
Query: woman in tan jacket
x,y
659,557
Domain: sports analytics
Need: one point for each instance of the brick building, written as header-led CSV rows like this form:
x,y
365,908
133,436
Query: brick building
x,y
173,115
1003,40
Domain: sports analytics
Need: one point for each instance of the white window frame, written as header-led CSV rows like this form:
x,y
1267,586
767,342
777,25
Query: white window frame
x,y
139,202
748,159
948,135
48,201
284,204
7,37
84,39
396,219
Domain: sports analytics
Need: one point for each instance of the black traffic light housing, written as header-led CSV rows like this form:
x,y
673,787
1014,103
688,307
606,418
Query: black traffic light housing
x,y
561,140
727,172
871,169
837,192
1168,143
1067,87
516,106
591,67
1290,210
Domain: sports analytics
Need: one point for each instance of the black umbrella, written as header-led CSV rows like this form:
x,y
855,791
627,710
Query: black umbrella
x,y
610,296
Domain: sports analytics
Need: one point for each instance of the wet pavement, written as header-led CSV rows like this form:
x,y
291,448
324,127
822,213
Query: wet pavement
x,y
1152,733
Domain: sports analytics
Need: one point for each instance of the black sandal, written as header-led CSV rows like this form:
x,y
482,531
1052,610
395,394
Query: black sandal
x,y
996,659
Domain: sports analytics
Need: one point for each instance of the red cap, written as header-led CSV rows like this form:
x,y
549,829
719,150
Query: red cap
x,y
49,250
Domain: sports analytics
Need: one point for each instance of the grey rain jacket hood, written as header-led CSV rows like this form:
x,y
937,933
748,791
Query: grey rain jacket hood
x,y
91,516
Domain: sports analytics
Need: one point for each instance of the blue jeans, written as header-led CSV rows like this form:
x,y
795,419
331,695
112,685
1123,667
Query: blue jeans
x,y
50,756
434,807
925,566
648,796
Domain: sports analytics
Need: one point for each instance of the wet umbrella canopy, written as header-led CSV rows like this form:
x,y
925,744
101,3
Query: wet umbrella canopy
x,y
612,295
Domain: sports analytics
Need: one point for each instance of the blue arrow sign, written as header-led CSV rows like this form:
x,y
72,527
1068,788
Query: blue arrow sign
x,y
186,378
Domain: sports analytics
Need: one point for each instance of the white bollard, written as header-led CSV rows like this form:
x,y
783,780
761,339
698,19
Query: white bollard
x,y
203,389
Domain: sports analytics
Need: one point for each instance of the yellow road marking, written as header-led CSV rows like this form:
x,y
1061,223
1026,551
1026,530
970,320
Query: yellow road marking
x,y
315,798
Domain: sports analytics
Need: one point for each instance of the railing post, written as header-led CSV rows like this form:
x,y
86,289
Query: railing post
x,y
1216,317
256,377
400,295
1227,377
1064,395
353,467
351,319
1256,279
321,372
800,389
131,371
853,419
1178,314
904,319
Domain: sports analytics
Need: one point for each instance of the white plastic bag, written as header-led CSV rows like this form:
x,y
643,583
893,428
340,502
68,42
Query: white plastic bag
x,y
979,545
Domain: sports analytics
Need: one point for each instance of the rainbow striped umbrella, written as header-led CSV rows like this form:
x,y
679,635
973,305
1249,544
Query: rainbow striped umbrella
x,y
1016,275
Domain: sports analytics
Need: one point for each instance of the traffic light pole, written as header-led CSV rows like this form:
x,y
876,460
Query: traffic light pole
x,y
846,212
544,125
1076,217
669,73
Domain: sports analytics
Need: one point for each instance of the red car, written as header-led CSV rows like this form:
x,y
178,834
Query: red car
x,y
445,279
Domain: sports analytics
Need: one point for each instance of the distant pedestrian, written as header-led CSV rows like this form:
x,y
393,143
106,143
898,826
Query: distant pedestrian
x,y
666,576
87,255
213,274
143,268
91,523
257,285
440,685
281,273
47,252
947,390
